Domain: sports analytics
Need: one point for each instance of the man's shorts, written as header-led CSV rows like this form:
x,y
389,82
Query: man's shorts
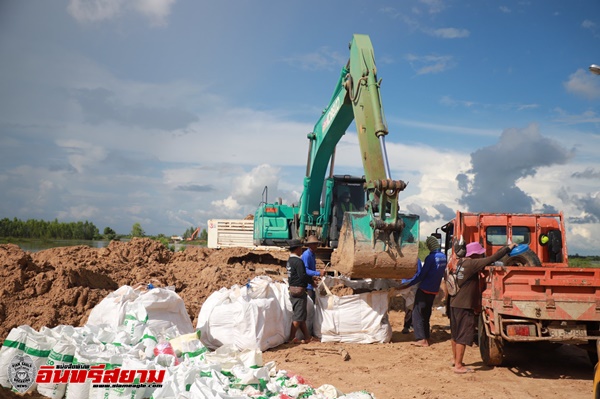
x,y
299,306
462,325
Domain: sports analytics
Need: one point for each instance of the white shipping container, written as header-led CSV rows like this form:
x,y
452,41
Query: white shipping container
x,y
230,233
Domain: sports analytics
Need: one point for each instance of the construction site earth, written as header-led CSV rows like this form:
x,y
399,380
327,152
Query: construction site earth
x,y
61,286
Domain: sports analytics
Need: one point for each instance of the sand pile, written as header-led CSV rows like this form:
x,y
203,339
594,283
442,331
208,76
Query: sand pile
x,y
62,285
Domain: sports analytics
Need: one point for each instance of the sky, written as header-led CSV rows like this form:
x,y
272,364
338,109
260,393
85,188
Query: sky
x,y
169,113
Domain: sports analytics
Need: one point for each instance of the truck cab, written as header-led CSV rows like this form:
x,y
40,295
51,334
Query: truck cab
x,y
532,295
542,233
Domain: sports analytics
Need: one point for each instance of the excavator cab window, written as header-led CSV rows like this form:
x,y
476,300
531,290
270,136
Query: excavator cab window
x,y
348,196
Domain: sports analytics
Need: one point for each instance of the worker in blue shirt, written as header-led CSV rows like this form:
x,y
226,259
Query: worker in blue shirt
x,y
310,263
430,277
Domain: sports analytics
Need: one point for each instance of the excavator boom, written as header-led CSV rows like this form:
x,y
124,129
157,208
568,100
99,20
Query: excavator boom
x,y
376,241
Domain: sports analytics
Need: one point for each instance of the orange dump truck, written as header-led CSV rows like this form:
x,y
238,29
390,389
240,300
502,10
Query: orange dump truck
x,y
533,296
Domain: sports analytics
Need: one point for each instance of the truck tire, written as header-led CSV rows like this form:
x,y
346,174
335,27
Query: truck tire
x,y
527,258
489,347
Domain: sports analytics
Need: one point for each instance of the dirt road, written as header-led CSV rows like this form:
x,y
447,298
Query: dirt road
x,y
62,285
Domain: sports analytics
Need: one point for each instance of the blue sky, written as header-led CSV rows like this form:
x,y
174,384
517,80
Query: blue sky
x,y
173,112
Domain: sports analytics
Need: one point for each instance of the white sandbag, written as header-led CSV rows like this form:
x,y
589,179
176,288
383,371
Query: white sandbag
x,y
207,388
163,304
189,346
111,310
328,391
180,377
360,318
88,334
38,347
129,363
58,332
134,308
357,395
249,317
93,354
62,353
135,319
228,356
278,291
149,340
249,376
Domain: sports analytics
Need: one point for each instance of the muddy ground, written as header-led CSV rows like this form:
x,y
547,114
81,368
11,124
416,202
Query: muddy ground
x,y
62,285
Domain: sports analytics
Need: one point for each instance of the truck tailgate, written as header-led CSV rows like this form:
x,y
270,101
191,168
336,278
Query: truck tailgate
x,y
547,293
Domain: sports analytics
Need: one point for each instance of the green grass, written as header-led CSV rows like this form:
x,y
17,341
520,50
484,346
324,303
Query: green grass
x,y
583,262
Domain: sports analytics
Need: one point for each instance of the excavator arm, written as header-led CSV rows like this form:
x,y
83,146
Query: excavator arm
x,y
376,242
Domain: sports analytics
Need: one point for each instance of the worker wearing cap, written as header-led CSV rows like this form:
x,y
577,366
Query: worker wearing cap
x,y
297,280
429,278
310,263
468,299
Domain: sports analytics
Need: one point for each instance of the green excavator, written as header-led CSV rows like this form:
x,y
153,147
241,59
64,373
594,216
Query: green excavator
x,y
363,234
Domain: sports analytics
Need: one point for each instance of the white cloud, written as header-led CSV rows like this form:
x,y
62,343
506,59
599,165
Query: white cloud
x,y
427,64
585,117
247,190
433,6
587,24
583,84
230,204
451,102
84,11
94,10
322,59
155,10
524,107
79,212
450,33
82,153
447,128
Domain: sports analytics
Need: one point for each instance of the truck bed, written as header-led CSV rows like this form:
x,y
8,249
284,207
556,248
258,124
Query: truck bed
x,y
543,293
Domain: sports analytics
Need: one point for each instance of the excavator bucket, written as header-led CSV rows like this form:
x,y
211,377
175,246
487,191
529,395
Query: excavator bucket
x,y
364,252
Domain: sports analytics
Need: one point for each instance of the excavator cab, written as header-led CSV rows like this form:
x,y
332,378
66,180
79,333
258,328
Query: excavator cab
x,y
348,196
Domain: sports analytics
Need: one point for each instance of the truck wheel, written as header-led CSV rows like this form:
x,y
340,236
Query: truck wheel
x,y
489,347
527,258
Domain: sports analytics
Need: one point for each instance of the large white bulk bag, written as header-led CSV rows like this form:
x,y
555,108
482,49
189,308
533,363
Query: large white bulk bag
x,y
254,316
359,318
111,310
138,308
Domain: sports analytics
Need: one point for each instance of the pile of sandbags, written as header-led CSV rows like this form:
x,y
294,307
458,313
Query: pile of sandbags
x,y
140,344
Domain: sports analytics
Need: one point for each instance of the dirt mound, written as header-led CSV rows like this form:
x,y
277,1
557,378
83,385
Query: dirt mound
x,y
62,285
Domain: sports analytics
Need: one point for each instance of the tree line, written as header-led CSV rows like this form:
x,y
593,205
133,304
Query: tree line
x,y
41,229
54,229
